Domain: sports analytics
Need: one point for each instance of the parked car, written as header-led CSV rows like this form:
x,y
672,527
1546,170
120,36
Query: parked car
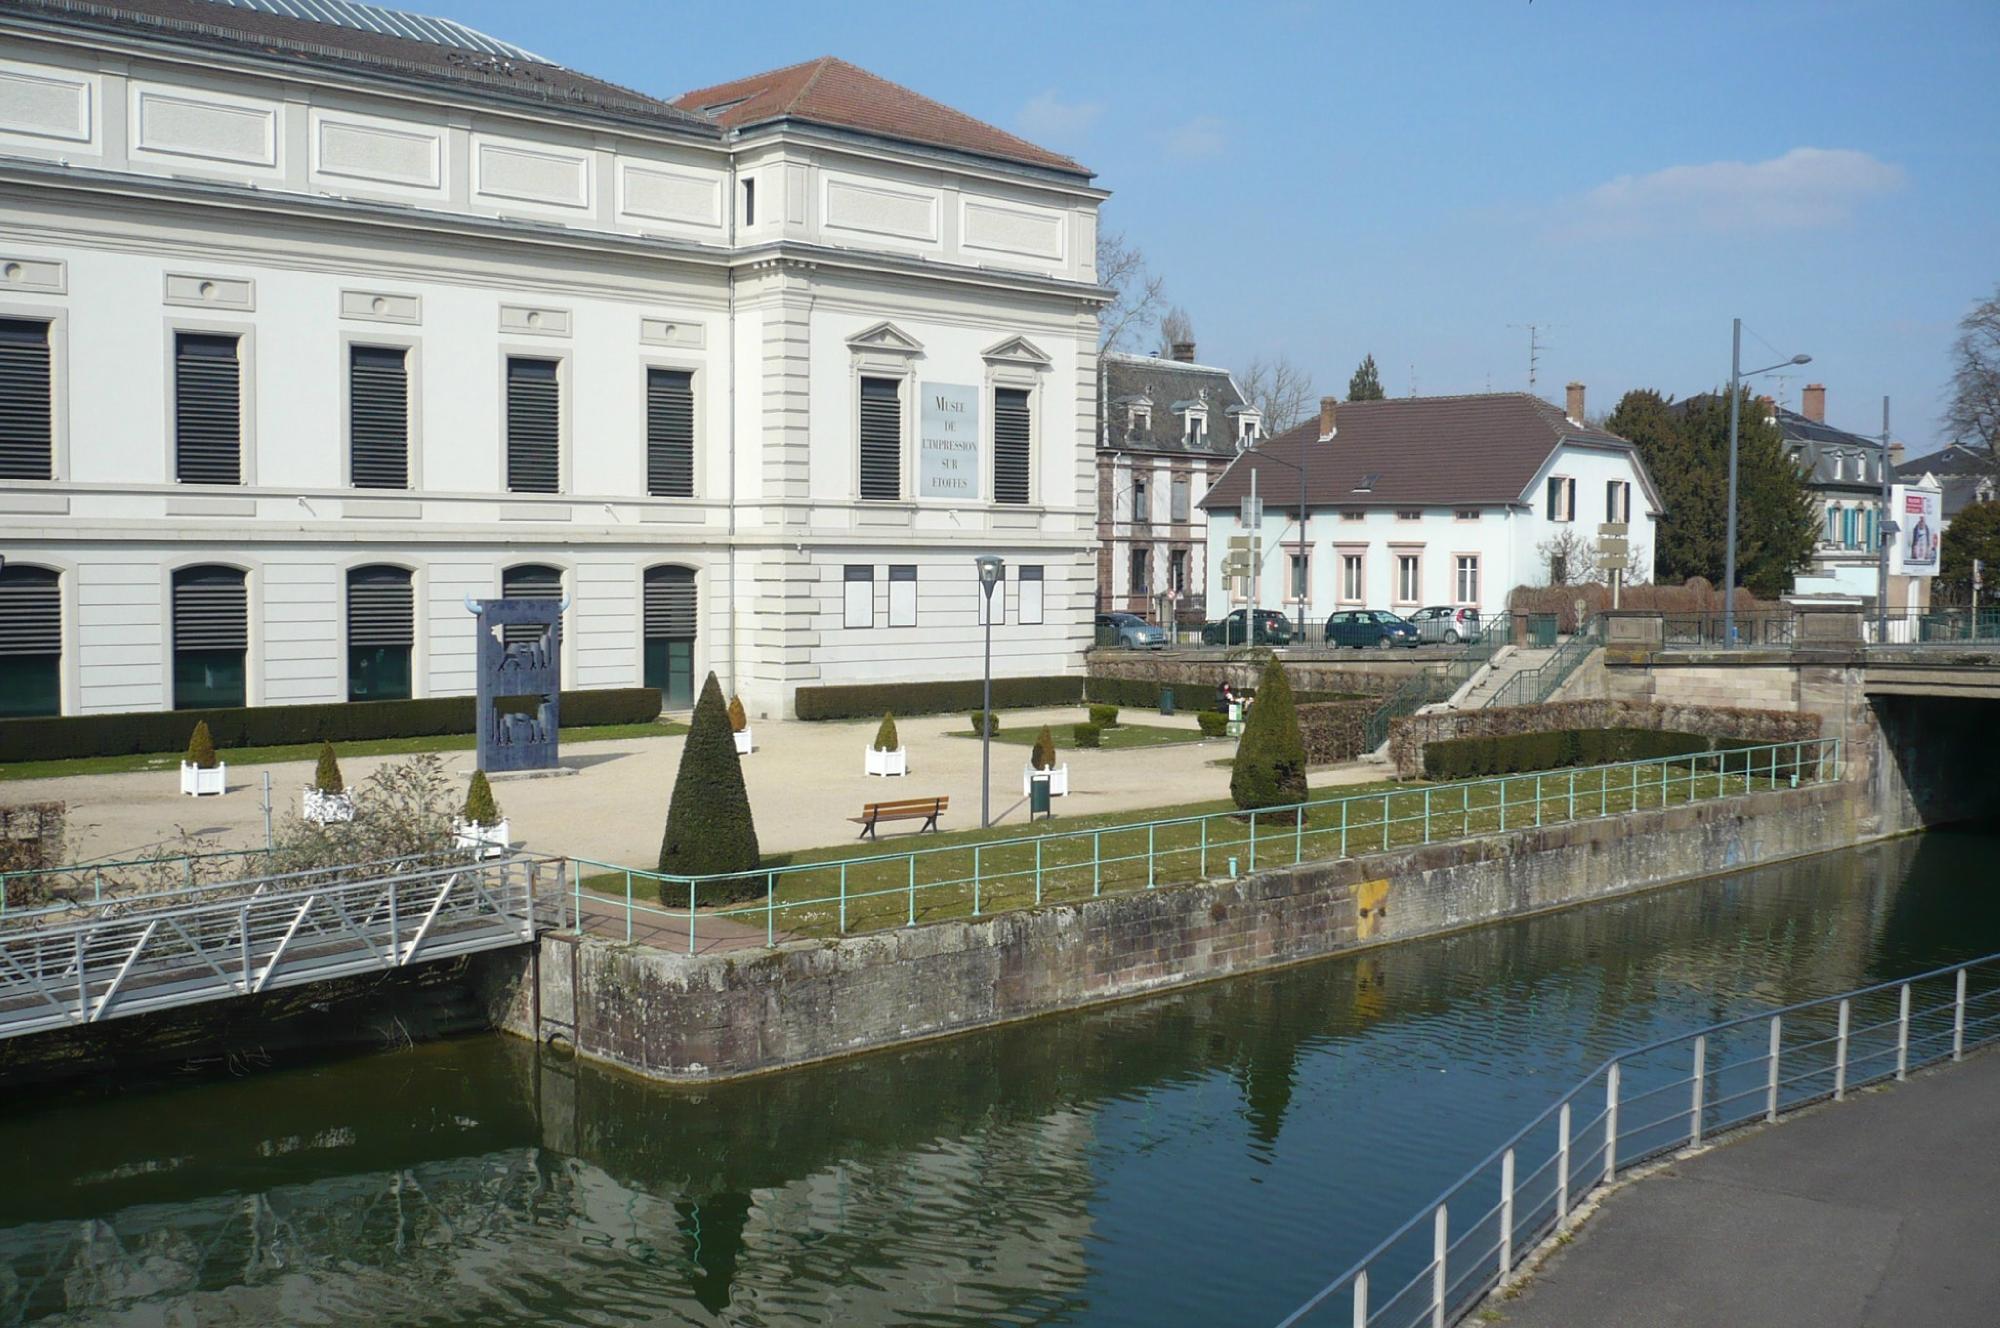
x,y
1130,631
1272,629
1369,627
1443,622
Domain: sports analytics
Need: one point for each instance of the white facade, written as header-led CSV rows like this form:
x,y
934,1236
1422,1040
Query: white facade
x,y
149,190
1401,559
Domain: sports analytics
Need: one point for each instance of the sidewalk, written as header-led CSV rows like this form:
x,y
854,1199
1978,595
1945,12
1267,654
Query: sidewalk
x,y
1882,1210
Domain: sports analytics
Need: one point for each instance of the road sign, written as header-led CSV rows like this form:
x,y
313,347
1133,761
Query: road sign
x,y
1252,512
1613,562
1613,529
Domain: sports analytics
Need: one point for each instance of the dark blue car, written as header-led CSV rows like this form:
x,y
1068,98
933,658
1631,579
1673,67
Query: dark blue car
x,y
1369,627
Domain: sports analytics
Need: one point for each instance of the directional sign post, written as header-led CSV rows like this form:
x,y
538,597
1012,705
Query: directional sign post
x,y
1614,555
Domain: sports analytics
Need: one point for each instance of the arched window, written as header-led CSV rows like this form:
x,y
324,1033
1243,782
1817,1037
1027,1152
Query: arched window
x,y
381,631
670,633
30,642
529,581
211,637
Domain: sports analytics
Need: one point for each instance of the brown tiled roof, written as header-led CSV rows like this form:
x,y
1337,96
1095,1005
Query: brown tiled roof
x,y
828,91
1422,451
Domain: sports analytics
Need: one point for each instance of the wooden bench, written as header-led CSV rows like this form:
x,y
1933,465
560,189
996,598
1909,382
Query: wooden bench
x,y
926,810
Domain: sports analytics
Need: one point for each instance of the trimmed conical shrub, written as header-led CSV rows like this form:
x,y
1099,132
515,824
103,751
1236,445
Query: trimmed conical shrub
x,y
710,831
480,808
1270,766
738,721
201,747
326,775
1044,755
885,737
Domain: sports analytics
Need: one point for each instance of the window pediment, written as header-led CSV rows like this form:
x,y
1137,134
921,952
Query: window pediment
x,y
885,339
1017,351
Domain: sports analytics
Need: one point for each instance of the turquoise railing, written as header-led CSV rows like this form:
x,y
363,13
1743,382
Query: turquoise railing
x,y
1536,685
840,895
1439,681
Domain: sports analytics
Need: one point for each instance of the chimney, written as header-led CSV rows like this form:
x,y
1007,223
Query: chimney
x,y
1575,407
1812,402
1896,456
1326,405
1184,351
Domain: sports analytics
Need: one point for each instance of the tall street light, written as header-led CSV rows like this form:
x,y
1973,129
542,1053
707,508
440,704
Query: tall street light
x,y
991,569
1736,377
1251,445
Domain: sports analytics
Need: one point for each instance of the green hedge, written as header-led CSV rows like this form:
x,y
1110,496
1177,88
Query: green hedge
x,y
133,733
869,700
1524,753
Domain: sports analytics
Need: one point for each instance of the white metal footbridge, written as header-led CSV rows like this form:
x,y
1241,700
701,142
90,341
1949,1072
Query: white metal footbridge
x,y
85,962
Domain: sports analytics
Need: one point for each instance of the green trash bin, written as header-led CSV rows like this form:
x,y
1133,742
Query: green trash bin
x,y
1166,700
1038,796
1542,629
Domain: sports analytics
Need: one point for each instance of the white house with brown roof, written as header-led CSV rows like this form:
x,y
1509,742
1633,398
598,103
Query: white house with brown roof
x,y
317,318
1419,501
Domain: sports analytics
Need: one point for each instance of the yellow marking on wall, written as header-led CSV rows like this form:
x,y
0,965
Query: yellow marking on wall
x,y
1371,905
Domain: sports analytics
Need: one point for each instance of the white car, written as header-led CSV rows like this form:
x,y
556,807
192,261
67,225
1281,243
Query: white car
x,y
1446,623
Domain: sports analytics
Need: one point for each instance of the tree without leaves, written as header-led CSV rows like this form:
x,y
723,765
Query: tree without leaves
x,y
1366,385
1974,412
1175,327
1135,292
1281,391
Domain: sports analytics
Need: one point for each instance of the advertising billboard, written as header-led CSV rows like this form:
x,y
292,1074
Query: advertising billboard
x,y
1917,513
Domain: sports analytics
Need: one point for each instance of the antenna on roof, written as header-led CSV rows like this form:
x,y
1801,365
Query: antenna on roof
x,y
1535,348
1413,378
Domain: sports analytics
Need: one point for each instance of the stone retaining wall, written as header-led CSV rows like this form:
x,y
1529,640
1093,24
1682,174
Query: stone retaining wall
x,y
1409,735
698,1018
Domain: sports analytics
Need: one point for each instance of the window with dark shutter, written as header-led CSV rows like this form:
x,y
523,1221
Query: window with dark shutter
x,y
528,581
534,426
381,629
30,642
670,433
27,406
1011,434
208,409
881,438
669,627
378,417
211,637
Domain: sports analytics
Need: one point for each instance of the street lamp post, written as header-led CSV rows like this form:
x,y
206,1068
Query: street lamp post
x,y
1250,445
1736,377
991,568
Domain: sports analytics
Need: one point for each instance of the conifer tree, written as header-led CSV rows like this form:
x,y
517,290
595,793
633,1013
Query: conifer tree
x,y
201,747
1270,766
1366,385
710,830
480,808
326,775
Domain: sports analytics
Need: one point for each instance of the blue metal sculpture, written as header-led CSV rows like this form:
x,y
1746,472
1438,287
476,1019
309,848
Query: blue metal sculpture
x,y
520,682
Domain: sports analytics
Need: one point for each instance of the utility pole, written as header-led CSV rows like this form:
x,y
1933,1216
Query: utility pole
x,y
1884,527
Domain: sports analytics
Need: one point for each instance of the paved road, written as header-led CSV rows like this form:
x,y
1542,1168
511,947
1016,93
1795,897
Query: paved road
x,y
1883,1210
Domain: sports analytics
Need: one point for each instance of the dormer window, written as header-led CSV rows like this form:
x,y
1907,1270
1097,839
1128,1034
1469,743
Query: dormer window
x,y
1141,418
1194,425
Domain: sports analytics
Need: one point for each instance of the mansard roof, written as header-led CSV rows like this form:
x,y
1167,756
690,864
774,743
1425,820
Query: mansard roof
x,y
1149,379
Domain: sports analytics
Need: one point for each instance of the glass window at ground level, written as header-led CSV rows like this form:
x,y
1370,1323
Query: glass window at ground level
x,y
1141,583
903,595
1468,580
381,631
858,596
211,636
1029,591
670,624
1407,578
30,642
1350,576
1298,577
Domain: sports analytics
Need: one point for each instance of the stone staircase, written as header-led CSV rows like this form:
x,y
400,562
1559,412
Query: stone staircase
x,y
1479,689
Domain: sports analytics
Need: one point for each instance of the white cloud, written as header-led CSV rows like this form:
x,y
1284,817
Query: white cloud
x,y
1047,115
1807,187
1200,137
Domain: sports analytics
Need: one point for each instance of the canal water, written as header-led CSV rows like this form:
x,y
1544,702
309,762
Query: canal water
x,y
1209,1157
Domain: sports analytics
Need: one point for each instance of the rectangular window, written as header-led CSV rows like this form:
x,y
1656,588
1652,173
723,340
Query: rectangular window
x,y
1012,435
858,591
1030,590
1562,498
1350,578
1300,572
1468,514
534,426
1177,563
1142,499
1141,582
1468,578
381,629
1352,516
903,596
1617,500
881,438
1409,514
1409,578
670,433
749,202
27,401
211,626
1180,493
670,624
1832,525
1847,527
208,409
378,417
30,642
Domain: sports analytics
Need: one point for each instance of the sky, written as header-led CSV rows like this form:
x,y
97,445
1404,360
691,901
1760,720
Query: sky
x,y
1421,182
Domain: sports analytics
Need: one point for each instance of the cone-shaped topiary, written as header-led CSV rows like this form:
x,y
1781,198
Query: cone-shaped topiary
x,y
326,775
1270,766
201,747
885,737
480,808
709,827
738,721
1044,755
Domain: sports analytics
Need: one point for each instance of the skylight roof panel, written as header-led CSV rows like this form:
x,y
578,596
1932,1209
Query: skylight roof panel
x,y
388,23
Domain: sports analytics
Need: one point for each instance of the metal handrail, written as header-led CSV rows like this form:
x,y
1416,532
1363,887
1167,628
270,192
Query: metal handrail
x,y
1536,685
1188,848
1698,1120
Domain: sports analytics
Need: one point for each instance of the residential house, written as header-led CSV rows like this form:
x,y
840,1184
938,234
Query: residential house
x,y
1419,501
1963,476
1844,472
1166,429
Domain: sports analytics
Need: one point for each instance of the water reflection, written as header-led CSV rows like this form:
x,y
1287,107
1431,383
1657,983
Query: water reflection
x,y
1207,1156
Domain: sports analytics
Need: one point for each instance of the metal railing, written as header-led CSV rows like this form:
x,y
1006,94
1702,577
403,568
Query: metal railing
x,y
130,956
1978,628
1777,629
1536,685
1441,681
1639,1105
837,896
106,878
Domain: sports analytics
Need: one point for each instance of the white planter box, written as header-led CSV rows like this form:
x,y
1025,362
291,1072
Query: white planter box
x,y
1058,780
327,808
889,763
743,744
488,839
199,783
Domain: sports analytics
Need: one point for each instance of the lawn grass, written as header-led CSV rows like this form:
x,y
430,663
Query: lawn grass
x,y
1122,738
969,873
447,742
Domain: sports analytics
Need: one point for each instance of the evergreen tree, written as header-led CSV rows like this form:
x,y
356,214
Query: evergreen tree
x,y
1366,385
885,736
710,830
326,775
738,720
1974,533
201,747
480,807
1043,754
1270,766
